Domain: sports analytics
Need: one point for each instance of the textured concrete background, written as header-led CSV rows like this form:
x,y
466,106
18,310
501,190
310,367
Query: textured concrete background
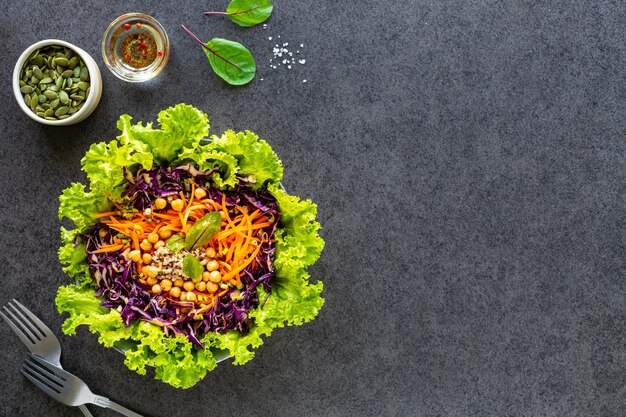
x,y
468,162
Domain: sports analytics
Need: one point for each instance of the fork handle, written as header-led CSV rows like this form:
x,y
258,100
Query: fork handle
x,y
85,410
106,403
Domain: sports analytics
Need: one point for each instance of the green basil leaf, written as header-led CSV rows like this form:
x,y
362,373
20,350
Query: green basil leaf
x,y
203,230
230,60
192,267
176,243
249,12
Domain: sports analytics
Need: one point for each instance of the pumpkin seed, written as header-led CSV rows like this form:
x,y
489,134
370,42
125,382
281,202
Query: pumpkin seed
x,y
48,113
84,74
73,62
37,72
27,100
33,55
77,71
41,108
34,80
27,89
53,88
59,83
40,114
67,73
46,80
33,102
63,97
68,53
50,94
64,116
42,98
22,83
51,118
61,111
38,60
29,73
72,110
69,82
64,62
54,103
83,85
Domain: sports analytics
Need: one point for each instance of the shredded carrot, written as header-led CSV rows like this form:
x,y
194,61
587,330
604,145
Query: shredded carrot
x,y
109,248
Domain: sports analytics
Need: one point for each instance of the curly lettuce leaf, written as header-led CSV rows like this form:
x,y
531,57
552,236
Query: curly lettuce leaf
x,y
182,126
206,158
255,157
175,359
81,206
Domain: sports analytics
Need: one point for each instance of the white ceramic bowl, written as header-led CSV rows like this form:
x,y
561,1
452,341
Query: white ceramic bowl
x,y
95,79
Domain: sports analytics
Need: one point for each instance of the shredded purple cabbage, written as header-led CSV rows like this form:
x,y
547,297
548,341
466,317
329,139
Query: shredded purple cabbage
x,y
117,280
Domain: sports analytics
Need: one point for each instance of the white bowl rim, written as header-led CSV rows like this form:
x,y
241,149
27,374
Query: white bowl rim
x,y
91,66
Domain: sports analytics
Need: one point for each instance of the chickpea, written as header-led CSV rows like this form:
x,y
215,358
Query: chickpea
x,y
165,233
175,292
179,283
205,276
215,276
159,244
145,245
150,271
151,281
210,252
201,286
134,255
146,258
199,193
212,287
178,205
166,284
189,286
156,289
153,238
160,203
191,296
212,266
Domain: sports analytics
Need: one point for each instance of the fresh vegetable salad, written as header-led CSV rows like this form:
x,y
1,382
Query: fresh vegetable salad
x,y
184,247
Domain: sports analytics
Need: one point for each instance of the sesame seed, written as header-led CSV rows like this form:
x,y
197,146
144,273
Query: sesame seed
x,y
301,61
303,81
301,46
270,38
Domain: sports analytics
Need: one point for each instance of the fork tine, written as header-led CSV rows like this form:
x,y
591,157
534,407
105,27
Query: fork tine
x,y
26,338
45,330
54,393
53,380
57,372
28,323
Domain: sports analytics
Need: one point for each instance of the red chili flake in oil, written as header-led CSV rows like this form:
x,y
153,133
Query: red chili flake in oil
x,y
140,49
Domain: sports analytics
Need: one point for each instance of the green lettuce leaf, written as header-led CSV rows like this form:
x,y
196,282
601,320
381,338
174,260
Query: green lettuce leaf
x,y
255,157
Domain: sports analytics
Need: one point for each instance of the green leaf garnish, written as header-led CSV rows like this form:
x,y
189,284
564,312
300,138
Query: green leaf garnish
x,y
192,267
203,230
247,12
176,243
230,60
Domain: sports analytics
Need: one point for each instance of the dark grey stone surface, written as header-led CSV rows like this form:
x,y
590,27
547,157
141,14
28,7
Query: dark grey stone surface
x,y
468,162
